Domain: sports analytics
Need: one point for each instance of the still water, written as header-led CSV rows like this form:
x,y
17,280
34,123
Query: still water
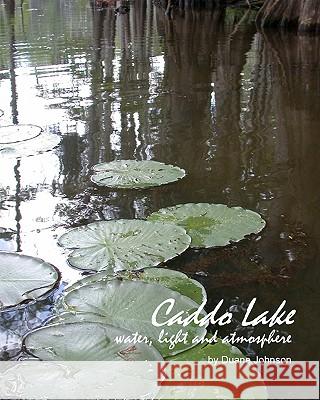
x,y
239,110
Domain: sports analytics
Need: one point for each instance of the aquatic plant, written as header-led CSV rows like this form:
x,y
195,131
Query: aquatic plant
x,y
25,140
130,305
85,341
131,174
123,244
18,133
24,278
171,279
120,297
211,225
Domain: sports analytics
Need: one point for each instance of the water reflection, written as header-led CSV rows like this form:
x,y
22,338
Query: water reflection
x,y
236,108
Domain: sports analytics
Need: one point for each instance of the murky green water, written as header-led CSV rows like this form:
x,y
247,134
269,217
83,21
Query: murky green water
x,y
239,110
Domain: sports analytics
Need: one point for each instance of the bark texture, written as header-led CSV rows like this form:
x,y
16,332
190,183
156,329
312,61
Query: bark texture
x,y
301,14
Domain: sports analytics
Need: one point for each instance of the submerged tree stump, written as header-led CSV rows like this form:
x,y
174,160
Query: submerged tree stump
x,y
301,14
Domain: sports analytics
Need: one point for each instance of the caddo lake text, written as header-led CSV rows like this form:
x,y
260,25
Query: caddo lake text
x,y
164,316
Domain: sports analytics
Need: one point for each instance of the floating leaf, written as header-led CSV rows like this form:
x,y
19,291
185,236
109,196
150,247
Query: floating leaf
x,y
123,244
133,174
211,225
18,133
130,305
86,341
41,143
173,280
24,278
67,317
218,351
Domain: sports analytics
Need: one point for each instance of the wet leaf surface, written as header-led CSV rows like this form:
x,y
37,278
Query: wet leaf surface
x,y
211,225
123,245
133,174
173,280
86,341
11,134
130,305
24,278
37,145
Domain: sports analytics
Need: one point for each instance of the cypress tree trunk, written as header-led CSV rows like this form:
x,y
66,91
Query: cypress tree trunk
x,y
301,14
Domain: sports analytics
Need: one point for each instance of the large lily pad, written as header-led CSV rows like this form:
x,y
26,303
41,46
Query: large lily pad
x,y
29,146
86,341
123,244
24,278
70,317
133,174
211,225
173,280
18,133
130,305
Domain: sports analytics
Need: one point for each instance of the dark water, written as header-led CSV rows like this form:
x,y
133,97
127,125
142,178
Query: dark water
x,y
238,109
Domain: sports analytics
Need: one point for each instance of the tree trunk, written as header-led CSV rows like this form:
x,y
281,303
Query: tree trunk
x,y
301,14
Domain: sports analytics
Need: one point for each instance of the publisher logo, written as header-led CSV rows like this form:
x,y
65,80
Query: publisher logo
x,y
295,380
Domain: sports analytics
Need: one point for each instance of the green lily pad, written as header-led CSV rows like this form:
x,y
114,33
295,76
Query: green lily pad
x,y
68,317
133,174
86,341
18,133
173,280
29,146
218,351
131,304
24,278
123,244
211,225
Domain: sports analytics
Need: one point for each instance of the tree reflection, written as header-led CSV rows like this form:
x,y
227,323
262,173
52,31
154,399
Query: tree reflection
x,y
10,11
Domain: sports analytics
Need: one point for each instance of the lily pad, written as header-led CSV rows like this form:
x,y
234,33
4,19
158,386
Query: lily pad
x,y
24,278
211,225
39,144
173,280
218,351
70,317
18,133
133,174
130,305
86,341
123,244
